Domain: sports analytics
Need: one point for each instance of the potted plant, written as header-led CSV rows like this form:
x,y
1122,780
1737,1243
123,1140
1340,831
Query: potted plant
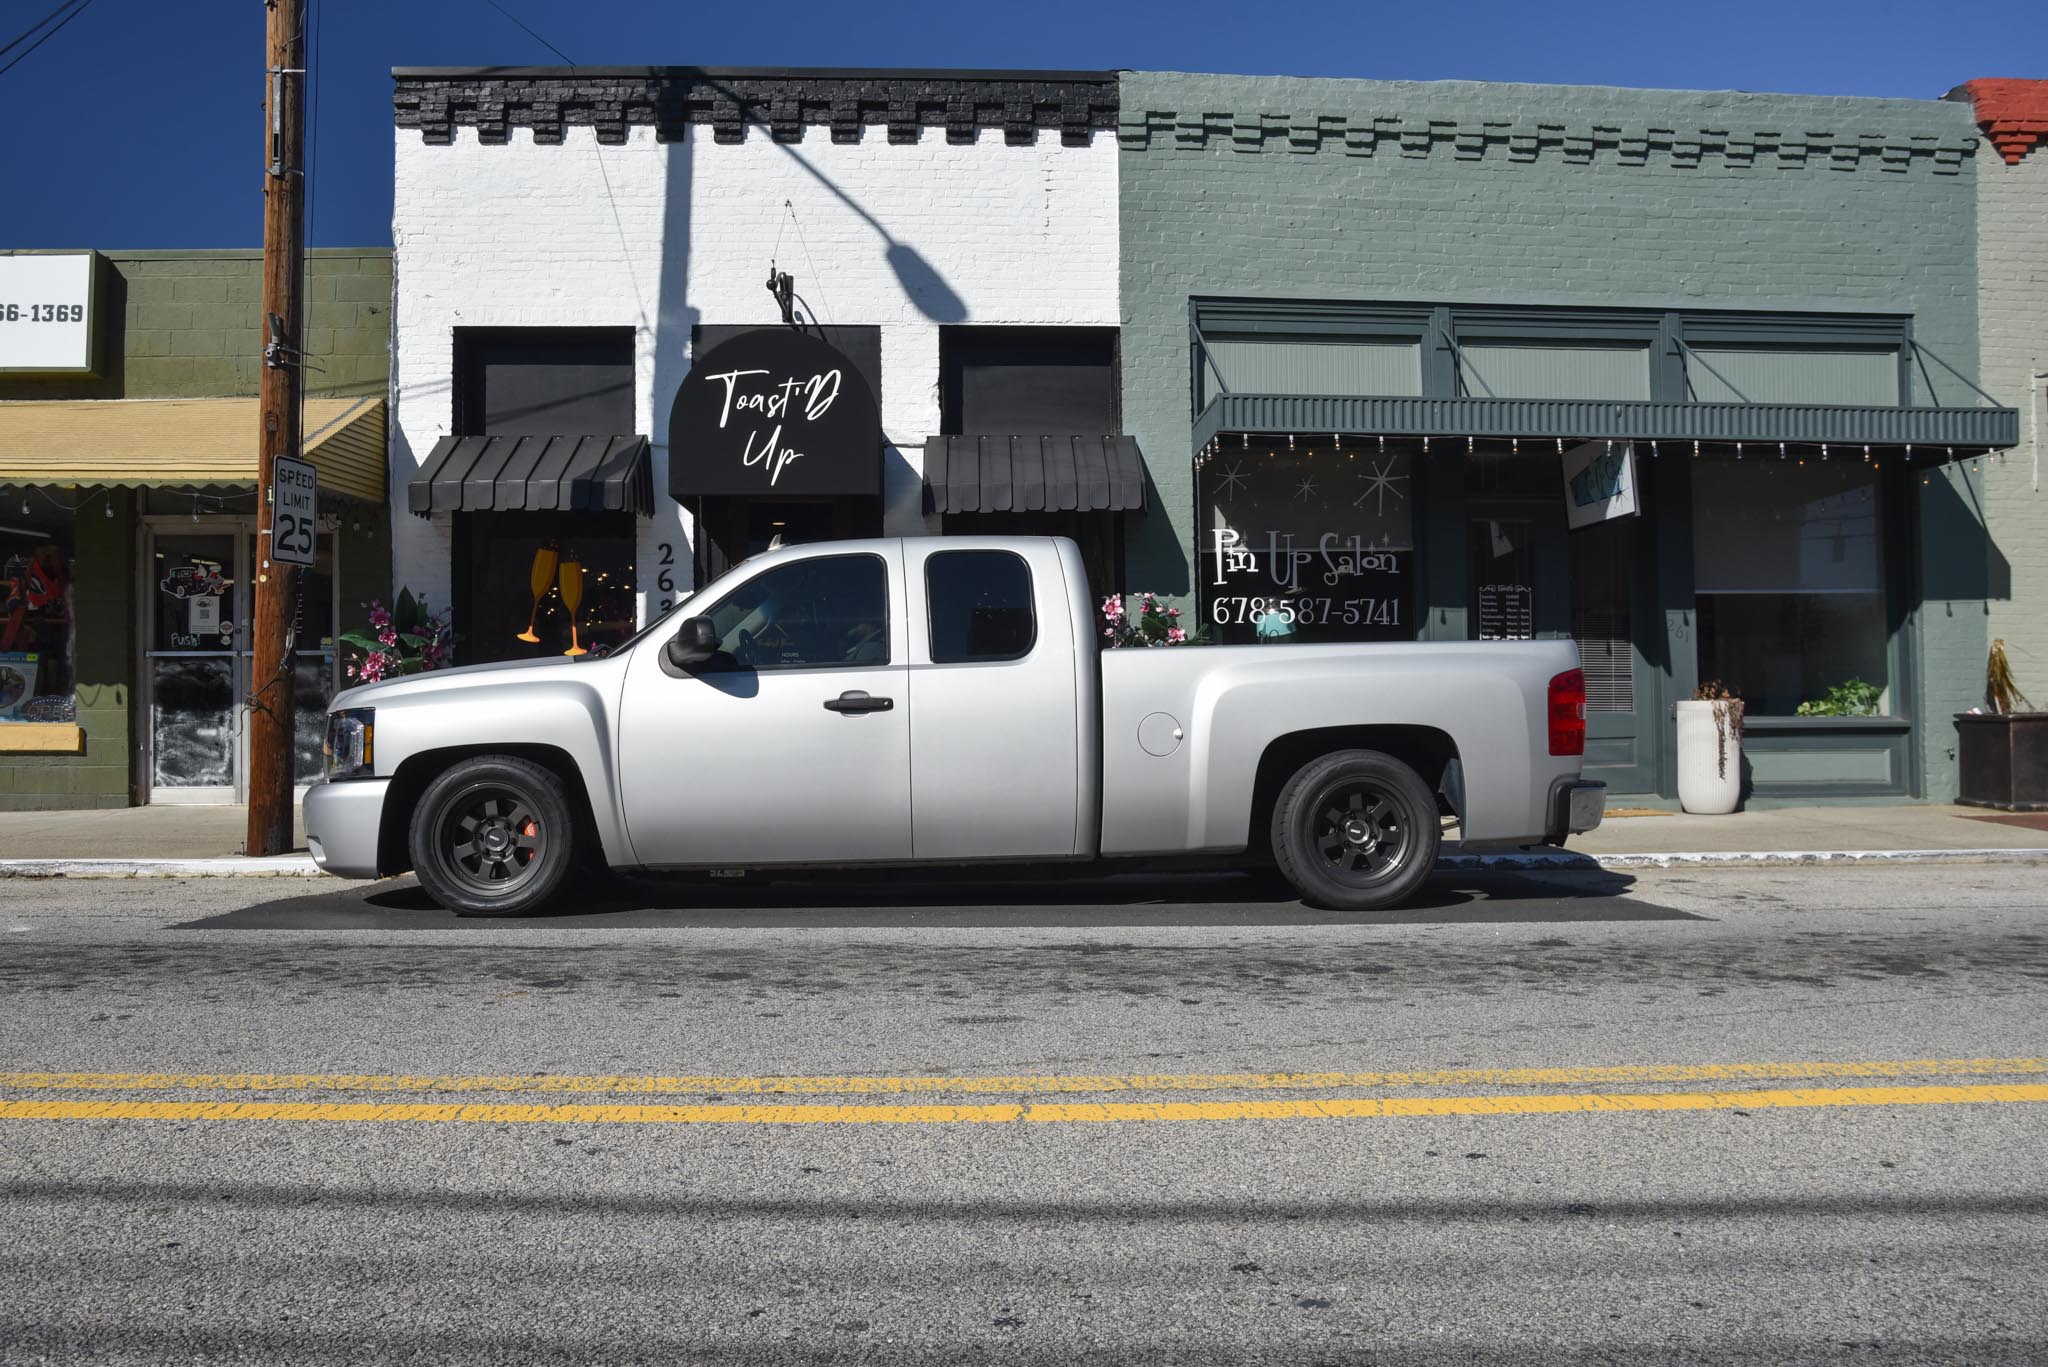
x,y
1710,750
406,639
2002,755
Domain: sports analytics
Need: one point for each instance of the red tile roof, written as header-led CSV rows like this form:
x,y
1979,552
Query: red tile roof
x,y
2013,114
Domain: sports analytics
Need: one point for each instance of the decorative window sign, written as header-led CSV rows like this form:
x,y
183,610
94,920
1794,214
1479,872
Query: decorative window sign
x,y
1333,586
1599,482
774,412
46,313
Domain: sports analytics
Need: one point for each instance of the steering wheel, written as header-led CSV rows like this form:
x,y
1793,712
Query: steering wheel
x,y
743,652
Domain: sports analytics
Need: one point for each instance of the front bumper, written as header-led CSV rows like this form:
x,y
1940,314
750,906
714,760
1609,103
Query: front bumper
x,y
1576,806
342,822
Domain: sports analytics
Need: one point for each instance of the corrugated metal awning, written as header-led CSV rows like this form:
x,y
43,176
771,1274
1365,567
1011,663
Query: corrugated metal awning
x,y
130,443
1033,474
1620,420
534,474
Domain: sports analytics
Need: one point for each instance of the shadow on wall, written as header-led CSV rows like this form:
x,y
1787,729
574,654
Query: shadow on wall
x,y
1952,516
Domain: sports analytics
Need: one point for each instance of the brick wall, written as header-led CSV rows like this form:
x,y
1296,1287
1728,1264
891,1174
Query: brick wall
x,y
904,234
2012,256
190,326
1514,194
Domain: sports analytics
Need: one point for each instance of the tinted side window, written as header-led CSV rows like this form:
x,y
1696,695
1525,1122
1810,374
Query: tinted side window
x,y
810,614
980,606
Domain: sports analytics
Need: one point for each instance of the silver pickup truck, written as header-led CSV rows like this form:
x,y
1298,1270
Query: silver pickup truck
x,y
944,700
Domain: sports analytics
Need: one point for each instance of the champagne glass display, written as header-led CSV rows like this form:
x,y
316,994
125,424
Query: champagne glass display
x,y
572,599
542,574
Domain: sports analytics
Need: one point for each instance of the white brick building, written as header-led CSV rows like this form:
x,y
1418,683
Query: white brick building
x,y
630,211
2012,306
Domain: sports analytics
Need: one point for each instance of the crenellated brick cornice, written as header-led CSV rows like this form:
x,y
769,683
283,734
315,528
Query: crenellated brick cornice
x,y
2012,113
785,103
1529,140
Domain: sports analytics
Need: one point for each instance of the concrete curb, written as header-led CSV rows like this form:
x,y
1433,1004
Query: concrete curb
x,y
1566,860
234,866
1550,861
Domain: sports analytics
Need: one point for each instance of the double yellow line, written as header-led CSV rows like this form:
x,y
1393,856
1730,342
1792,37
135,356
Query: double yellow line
x,y
1907,1082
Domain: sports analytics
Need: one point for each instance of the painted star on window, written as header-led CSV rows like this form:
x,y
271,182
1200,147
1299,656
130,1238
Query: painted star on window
x,y
1305,490
1233,480
1379,484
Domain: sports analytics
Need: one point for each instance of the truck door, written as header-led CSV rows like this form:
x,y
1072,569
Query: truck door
x,y
995,736
792,744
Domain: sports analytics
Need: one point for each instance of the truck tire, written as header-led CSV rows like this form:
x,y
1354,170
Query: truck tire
x,y
494,836
1356,830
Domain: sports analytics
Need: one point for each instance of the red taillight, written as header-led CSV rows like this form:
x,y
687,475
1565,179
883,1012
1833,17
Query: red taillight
x,y
1568,713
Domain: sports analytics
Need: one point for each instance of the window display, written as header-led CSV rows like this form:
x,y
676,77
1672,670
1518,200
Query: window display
x,y
36,637
1319,536
1788,576
532,585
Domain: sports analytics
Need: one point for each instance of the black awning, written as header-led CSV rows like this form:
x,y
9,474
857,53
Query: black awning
x,y
534,474
1033,474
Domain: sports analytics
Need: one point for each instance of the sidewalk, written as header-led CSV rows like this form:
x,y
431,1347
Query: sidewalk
x,y
208,840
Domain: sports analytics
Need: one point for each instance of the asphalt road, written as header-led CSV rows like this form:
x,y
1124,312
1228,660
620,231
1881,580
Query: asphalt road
x,y
1759,1116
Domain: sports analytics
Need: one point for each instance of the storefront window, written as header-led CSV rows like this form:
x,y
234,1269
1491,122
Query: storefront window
x,y
533,585
1317,537
1788,567
36,645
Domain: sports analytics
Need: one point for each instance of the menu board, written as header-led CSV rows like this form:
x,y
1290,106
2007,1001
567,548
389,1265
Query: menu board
x,y
1503,580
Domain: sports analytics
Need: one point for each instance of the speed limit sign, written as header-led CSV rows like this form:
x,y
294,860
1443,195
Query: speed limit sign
x,y
294,512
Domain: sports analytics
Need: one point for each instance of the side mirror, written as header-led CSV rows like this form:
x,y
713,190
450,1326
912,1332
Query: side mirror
x,y
694,642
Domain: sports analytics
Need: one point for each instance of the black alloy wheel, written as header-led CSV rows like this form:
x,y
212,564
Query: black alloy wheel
x,y
494,836
1356,830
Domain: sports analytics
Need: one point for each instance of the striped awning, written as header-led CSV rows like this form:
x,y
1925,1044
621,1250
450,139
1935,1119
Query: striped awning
x,y
128,443
1033,474
534,474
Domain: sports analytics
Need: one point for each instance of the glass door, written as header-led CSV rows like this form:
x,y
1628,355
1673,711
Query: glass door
x,y
197,593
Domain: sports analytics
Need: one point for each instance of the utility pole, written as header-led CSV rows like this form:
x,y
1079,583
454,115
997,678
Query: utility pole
x,y
271,708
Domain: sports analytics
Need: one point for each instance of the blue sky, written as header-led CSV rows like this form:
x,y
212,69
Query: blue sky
x,y
140,124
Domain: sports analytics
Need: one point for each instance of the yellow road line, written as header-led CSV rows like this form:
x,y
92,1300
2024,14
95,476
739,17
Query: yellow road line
x,y
1348,1108
1623,1075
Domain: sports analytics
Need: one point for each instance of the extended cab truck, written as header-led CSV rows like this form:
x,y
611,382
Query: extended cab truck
x,y
943,700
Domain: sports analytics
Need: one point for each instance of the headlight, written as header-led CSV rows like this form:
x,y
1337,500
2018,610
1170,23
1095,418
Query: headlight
x,y
349,750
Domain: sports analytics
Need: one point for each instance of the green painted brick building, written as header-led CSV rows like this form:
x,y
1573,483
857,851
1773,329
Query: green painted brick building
x,y
1371,327
120,474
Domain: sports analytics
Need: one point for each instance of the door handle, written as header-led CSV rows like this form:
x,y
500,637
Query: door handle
x,y
853,700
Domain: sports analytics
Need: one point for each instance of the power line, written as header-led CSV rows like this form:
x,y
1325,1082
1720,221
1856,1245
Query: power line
x,y
83,5
529,32
36,25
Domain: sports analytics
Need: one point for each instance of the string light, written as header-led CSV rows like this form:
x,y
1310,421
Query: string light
x,y
1695,448
1471,444
1517,446
1560,446
1653,450
1290,441
1425,446
1383,443
1781,450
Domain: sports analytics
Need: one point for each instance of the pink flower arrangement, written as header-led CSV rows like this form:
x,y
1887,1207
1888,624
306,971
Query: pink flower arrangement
x,y
404,639
1145,621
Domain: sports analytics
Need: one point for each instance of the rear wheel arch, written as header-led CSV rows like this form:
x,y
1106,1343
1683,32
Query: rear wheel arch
x,y
413,777
1430,752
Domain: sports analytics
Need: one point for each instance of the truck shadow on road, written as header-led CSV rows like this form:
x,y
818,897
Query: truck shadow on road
x,y
900,899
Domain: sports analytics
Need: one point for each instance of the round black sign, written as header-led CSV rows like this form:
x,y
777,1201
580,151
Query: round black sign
x,y
774,412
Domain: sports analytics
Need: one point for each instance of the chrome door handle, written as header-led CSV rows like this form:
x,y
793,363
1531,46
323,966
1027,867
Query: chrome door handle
x,y
853,700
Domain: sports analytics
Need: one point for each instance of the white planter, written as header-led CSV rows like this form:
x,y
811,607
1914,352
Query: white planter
x,y
1709,761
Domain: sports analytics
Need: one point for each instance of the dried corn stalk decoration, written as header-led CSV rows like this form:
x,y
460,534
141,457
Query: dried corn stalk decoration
x,y
1999,683
1727,719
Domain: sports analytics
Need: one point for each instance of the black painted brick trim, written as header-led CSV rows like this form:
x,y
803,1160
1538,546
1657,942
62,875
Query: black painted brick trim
x,y
785,105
